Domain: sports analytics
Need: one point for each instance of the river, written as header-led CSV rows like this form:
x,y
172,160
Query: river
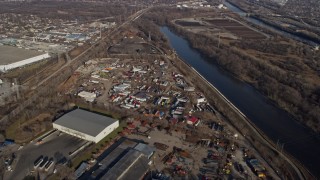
x,y
274,122
266,26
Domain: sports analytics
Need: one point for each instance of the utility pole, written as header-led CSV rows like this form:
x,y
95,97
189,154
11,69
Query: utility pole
x,y
17,88
59,56
68,57
219,40
100,30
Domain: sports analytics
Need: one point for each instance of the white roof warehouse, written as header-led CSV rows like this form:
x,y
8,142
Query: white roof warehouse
x,y
86,125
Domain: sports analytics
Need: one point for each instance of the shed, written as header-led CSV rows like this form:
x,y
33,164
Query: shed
x,y
145,149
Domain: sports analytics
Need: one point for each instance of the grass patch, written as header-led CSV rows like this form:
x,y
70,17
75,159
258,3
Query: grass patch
x,y
79,159
15,130
29,67
12,129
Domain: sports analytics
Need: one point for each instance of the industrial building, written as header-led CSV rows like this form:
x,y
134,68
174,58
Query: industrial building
x,y
86,125
7,67
128,160
133,165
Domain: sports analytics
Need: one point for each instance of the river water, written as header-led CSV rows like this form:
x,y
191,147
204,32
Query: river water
x,y
274,122
266,26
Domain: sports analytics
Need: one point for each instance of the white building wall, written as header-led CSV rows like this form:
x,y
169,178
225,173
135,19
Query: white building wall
x,y
106,131
7,67
87,137
74,133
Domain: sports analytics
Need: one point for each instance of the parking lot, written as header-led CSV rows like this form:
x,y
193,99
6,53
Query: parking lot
x,y
56,146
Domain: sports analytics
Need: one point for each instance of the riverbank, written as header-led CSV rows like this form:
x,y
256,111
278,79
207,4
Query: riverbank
x,y
186,33
237,119
253,134
270,66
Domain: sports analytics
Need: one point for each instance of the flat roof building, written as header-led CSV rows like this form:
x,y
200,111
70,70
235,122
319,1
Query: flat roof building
x,y
127,159
133,165
145,149
86,125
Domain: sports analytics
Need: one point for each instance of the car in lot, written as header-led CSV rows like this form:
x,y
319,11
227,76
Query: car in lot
x,y
49,164
44,162
38,161
39,142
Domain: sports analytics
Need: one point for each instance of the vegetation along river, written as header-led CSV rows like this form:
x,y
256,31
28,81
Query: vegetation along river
x,y
277,124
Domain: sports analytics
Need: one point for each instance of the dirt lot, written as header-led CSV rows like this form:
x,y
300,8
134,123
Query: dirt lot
x,y
231,29
191,157
236,28
188,23
10,54
132,45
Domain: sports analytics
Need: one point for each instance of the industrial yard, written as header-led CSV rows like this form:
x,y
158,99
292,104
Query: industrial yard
x,y
226,27
159,107
167,112
178,155
43,35
113,99
236,28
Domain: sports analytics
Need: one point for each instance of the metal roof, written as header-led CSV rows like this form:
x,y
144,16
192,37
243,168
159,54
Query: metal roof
x,y
132,166
84,121
145,149
81,169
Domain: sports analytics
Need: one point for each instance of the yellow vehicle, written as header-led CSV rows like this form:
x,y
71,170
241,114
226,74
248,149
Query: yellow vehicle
x,y
261,175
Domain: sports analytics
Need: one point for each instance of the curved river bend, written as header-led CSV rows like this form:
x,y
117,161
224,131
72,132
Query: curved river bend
x,y
274,122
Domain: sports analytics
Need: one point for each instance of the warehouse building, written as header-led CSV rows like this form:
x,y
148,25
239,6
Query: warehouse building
x,y
86,125
133,165
4,68
128,160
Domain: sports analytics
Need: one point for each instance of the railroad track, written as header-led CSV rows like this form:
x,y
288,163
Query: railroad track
x,y
50,81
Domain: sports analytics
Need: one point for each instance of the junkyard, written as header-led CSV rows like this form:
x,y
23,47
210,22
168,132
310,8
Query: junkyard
x,y
168,113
